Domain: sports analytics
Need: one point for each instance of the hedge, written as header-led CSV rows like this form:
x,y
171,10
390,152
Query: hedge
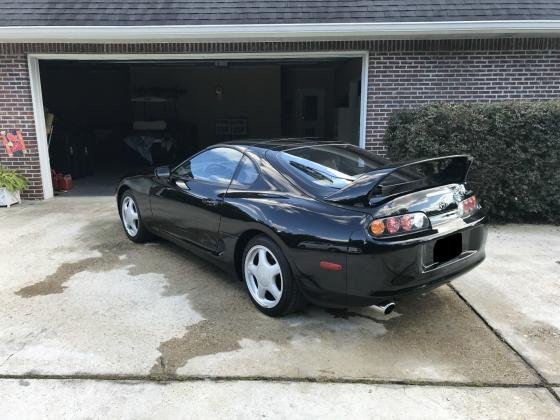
x,y
516,149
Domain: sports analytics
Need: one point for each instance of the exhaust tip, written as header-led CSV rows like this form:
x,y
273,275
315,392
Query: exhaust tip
x,y
385,308
390,307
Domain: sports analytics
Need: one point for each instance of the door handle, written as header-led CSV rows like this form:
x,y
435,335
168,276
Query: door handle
x,y
210,201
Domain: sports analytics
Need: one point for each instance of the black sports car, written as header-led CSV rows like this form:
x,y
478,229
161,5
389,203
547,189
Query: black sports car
x,y
301,220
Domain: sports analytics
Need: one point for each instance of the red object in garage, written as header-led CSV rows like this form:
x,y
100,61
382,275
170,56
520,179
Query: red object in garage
x,y
56,180
66,183
61,182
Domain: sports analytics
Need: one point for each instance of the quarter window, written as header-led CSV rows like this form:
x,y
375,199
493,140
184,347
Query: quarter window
x,y
246,175
215,165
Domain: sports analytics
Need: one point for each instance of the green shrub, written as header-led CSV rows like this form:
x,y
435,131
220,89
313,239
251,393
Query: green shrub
x,y
11,180
516,146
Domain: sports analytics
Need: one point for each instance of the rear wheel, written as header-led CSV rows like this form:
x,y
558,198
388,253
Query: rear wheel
x,y
132,219
269,279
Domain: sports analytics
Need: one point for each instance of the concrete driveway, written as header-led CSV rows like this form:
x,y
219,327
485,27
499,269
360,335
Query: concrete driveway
x,y
94,325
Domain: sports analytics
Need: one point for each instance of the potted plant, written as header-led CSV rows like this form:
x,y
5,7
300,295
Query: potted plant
x,y
11,183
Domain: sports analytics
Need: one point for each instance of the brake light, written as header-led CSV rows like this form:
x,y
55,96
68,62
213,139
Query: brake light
x,y
468,206
398,225
393,224
407,222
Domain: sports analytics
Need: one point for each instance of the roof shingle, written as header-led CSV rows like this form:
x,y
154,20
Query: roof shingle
x,y
222,12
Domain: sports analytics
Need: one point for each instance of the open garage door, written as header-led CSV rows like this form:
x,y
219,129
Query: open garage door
x,y
105,118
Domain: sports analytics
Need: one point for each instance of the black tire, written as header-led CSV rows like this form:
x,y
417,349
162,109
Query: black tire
x,y
292,299
142,234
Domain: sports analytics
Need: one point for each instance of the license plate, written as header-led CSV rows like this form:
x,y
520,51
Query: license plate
x,y
448,248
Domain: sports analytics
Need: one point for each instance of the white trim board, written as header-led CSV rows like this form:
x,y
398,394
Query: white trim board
x,y
199,56
37,97
279,32
40,126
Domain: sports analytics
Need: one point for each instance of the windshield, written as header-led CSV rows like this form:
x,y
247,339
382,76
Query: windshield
x,y
325,168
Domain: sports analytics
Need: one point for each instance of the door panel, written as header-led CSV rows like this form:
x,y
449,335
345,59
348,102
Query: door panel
x,y
187,204
188,210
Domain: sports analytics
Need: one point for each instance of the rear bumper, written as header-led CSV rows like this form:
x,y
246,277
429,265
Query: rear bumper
x,y
388,272
378,272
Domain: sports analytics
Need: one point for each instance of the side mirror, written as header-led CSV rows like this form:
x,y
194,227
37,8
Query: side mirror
x,y
162,172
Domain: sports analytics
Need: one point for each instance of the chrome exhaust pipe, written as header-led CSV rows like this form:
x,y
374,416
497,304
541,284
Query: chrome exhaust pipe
x,y
385,308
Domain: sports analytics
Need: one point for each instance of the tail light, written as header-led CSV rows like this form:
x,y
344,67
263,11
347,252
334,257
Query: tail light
x,y
468,206
399,225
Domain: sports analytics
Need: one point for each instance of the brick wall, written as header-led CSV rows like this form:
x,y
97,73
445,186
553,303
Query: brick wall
x,y
407,79
402,73
16,111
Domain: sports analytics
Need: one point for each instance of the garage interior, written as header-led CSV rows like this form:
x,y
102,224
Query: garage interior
x,y
107,118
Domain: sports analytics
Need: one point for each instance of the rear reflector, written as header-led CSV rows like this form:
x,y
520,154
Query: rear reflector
x,y
327,265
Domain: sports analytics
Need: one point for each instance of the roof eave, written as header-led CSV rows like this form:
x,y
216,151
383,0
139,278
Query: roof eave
x,y
269,32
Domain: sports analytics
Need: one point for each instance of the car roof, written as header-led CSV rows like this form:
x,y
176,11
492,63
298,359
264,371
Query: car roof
x,y
260,146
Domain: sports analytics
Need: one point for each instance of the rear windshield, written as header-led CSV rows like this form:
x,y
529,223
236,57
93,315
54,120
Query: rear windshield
x,y
326,168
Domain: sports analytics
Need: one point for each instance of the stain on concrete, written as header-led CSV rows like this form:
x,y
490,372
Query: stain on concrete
x,y
100,235
436,330
55,283
220,298
23,382
231,319
199,340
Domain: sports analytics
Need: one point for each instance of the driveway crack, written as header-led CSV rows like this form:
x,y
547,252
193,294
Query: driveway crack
x,y
7,359
543,381
158,377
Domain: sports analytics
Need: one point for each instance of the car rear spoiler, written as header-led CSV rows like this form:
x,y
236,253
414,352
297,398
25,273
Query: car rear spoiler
x,y
404,178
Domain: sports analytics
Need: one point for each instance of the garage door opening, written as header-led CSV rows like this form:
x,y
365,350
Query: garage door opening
x,y
112,117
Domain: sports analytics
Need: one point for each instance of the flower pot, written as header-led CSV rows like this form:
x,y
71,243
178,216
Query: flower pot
x,y
8,198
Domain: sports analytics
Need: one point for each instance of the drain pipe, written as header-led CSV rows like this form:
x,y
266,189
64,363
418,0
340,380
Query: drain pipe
x,y
385,308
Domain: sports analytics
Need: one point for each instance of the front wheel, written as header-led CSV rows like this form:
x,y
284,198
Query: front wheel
x,y
269,279
132,219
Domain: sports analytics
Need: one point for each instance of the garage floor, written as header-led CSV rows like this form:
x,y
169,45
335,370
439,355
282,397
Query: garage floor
x,y
101,184
113,328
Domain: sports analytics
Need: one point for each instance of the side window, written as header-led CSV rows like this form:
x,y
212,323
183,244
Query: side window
x,y
246,175
215,165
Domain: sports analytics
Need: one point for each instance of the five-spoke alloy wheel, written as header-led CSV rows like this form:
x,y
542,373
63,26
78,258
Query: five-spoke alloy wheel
x,y
132,219
263,276
269,279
